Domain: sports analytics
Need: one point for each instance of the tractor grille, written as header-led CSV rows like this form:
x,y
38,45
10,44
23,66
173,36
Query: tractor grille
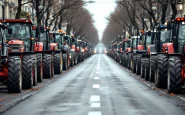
x,y
14,46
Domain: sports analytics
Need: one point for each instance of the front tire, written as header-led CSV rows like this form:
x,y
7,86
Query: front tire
x,y
39,68
147,68
143,67
138,64
58,64
28,72
47,66
152,68
65,62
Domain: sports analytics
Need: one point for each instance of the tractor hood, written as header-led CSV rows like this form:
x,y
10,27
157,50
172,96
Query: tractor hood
x,y
15,42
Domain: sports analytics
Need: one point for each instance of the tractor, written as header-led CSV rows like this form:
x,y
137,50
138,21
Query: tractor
x,y
21,55
175,50
10,62
126,50
45,54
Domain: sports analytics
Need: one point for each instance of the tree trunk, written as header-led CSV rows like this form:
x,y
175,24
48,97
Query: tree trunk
x,y
164,9
18,14
174,9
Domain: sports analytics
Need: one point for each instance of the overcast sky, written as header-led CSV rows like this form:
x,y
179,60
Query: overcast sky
x,y
100,10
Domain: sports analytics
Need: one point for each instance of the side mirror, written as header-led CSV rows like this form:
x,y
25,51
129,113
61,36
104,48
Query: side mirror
x,y
9,30
42,29
169,25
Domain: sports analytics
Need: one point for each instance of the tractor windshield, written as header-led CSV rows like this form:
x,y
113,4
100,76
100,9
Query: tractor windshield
x,y
19,31
43,37
148,40
165,36
134,42
127,44
181,38
182,32
58,38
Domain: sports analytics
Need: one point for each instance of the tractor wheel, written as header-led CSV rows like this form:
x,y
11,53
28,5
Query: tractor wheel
x,y
47,66
162,71
129,60
14,82
58,63
152,68
134,64
143,67
147,68
65,61
175,75
138,64
71,62
28,72
76,59
39,68
34,57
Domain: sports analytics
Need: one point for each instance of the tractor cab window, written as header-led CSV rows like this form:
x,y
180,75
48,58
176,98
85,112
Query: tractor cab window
x,y
19,31
43,37
134,42
148,40
181,38
58,38
165,36
127,44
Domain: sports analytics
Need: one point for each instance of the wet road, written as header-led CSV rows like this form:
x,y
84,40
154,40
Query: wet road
x,y
98,86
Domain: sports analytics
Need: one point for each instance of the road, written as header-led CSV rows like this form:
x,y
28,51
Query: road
x,y
98,86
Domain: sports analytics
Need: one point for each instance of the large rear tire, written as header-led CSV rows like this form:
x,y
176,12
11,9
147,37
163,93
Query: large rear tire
x,y
47,66
152,68
14,82
138,64
147,68
162,71
134,64
39,68
143,67
28,72
65,62
58,63
175,75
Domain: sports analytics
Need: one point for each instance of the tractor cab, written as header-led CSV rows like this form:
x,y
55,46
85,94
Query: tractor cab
x,y
127,45
162,38
21,38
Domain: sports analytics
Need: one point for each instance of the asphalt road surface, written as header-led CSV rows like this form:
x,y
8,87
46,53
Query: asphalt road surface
x,y
98,86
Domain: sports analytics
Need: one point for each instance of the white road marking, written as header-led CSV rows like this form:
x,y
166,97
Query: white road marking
x,y
96,86
94,98
94,113
162,92
181,98
96,78
95,105
147,84
97,72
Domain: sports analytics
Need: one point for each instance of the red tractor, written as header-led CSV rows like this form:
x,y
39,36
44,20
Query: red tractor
x,y
22,60
44,51
175,50
126,51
